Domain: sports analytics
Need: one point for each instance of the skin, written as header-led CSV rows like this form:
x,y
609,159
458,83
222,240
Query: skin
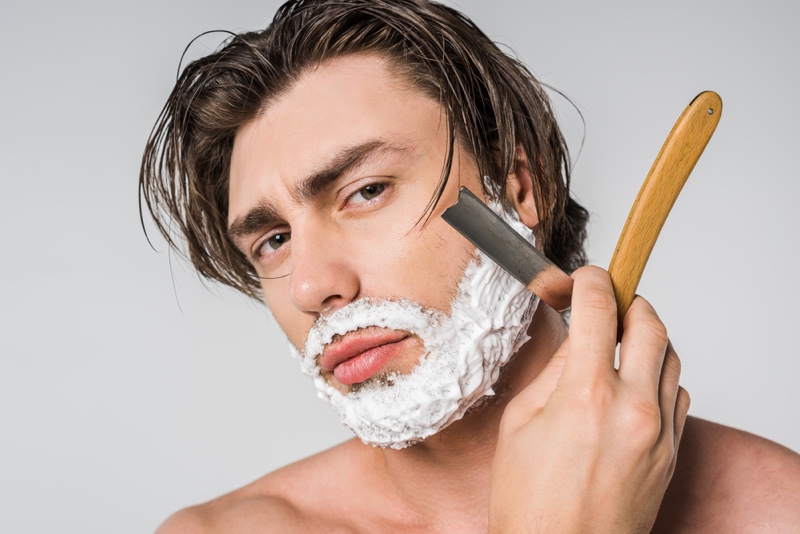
x,y
570,443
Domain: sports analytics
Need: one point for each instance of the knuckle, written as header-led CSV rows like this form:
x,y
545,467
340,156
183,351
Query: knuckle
x,y
600,301
666,456
655,331
641,305
598,394
672,364
642,423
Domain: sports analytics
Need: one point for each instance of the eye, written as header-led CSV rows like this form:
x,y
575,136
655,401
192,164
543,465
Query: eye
x,y
366,193
273,243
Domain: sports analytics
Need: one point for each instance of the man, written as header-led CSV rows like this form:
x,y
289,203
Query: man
x,y
308,164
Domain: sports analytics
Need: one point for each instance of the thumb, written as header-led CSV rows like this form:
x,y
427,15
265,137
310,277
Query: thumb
x,y
534,397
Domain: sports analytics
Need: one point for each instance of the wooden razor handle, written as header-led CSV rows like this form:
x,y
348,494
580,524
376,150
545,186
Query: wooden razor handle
x,y
661,188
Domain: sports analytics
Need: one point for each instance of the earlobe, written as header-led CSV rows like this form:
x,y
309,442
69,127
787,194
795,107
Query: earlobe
x,y
519,191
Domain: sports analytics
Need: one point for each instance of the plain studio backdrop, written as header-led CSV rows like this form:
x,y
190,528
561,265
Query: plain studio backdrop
x,y
129,389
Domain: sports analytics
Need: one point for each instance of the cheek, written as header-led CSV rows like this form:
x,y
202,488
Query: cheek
x,y
427,265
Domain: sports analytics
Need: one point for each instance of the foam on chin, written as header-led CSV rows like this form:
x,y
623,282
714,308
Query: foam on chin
x,y
487,324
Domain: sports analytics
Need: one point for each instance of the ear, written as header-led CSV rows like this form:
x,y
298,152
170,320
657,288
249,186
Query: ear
x,y
519,190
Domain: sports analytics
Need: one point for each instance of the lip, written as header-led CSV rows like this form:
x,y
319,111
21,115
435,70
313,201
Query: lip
x,y
359,355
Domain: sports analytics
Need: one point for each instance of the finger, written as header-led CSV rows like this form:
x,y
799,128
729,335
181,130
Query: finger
x,y
668,389
593,325
536,394
681,412
642,349
675,433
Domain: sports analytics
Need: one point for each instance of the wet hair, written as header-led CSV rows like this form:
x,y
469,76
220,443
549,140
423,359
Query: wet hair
x,y
493,105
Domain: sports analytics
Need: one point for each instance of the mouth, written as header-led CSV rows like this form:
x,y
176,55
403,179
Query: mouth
x,y
360,355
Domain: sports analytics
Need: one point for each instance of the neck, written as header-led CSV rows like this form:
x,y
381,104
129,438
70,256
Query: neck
x,y
451,471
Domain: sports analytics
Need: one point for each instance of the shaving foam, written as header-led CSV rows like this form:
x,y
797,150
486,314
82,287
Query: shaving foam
x,y
487,324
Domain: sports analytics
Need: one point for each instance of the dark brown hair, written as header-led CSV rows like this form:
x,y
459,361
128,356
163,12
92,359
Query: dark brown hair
x,y
493,104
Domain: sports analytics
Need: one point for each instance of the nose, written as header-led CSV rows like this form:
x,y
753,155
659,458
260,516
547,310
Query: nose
x,y
323,275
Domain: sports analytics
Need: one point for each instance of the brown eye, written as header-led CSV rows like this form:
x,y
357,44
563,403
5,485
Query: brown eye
x,y
268,247
275,242
371,191
368,192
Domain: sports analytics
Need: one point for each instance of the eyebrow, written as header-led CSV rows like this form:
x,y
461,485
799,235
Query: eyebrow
x,y
311,187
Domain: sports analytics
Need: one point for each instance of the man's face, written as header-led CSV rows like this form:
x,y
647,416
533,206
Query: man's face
x,y
329,184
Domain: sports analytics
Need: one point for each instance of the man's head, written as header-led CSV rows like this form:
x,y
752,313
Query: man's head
x,y
403,326
490,103
309,163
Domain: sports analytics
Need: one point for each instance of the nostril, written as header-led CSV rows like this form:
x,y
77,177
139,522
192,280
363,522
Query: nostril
x,y
335,302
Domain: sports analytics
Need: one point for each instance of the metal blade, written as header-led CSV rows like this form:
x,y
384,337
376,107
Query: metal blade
x,y
486,230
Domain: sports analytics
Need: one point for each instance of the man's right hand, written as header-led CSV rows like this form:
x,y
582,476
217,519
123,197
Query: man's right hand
x,y
586,446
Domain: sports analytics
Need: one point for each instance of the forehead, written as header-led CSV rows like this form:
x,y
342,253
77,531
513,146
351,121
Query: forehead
x,y
345,102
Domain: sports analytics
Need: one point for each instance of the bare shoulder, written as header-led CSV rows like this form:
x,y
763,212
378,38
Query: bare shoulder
x,y
290,499
731,480
260,514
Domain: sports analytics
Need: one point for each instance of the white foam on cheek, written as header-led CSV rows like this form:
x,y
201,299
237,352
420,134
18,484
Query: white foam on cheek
x,y
487,323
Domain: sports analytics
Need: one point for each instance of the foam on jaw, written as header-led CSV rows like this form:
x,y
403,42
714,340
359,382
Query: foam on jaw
x,y
465,350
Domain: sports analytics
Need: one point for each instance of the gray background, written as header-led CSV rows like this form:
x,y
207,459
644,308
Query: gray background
x,y
128,389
